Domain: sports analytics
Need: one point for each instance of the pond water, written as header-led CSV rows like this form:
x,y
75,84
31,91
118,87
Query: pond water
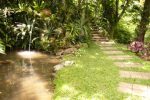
x,y
26,76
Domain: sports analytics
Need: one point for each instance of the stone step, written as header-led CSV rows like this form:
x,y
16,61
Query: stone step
x,y
113,52
120,57
95,33
100,40
135,89
138,75
98,36
127,64
108,43
109,48
95,30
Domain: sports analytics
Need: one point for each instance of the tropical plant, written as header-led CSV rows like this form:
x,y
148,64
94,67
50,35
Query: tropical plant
x,y
2,48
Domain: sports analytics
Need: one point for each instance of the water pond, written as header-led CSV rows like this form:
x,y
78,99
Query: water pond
x,y
26,75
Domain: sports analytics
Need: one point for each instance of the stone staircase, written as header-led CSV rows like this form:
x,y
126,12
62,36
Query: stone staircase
x,y
97,35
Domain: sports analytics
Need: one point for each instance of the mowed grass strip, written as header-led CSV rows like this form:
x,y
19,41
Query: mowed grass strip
x,y
92,77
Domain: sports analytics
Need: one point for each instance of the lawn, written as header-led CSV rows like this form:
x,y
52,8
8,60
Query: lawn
x,y
92,77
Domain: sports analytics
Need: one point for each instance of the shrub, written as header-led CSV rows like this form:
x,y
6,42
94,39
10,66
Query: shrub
x,y
122,35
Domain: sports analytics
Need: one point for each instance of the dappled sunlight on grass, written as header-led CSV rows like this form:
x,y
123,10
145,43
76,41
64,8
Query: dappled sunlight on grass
x,y
69,90
69,93
92,77
93,57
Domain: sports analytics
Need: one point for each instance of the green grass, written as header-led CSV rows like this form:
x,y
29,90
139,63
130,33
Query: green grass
x,y
95,77
92,77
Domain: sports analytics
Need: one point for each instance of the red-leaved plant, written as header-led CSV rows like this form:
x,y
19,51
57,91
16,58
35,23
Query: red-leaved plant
x,y
136,46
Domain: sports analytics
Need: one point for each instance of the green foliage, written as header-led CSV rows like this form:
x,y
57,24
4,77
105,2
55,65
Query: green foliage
x,y
2,48
59,24
122,35
147,37
135,10
50,27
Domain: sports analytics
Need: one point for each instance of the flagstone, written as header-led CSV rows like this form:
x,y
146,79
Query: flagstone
x,y
120,57
108,47
110,42
138,75
113,52
127,64
135,89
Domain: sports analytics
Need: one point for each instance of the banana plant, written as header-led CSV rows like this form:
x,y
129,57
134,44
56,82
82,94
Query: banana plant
x,y
2,48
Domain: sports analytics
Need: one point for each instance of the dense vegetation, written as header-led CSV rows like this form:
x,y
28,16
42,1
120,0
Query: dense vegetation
x,y
49,25
54,25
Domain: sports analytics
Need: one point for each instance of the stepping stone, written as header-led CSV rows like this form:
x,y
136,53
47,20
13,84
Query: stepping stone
x,y
99,40
95,34
109,48
135,89
111,42
113,52
127,64
138,75
120,57
106,45
96,37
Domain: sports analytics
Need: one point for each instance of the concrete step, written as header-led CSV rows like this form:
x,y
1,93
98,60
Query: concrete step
x,y
135,89
128,64
120,57
100,40
138,75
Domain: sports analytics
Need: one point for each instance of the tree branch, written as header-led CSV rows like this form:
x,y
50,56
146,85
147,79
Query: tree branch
x,y
124,9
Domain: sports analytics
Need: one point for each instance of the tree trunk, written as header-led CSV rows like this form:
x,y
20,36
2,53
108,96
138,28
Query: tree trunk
x,y
142,27
112,15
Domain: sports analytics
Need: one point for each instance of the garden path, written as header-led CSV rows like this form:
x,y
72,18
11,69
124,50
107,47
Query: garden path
x,y
122,61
